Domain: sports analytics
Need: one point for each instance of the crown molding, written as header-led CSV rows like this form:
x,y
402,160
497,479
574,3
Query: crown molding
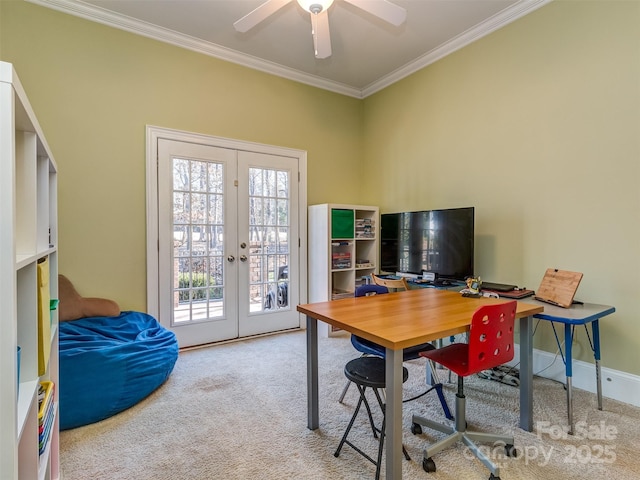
x,y
138,27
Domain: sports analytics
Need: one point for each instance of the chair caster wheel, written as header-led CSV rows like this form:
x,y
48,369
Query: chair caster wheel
x,y
428,465
493,477
416,428
510,450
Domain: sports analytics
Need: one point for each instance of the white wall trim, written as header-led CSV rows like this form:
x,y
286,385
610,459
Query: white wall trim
x,y
616,385
154,133
144,29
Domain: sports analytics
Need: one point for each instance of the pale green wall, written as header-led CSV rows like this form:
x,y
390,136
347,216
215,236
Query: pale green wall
x,y
538,127
1,32
94,89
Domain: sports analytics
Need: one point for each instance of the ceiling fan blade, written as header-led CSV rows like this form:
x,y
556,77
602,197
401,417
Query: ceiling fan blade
x,y
321,35
387,11
256,16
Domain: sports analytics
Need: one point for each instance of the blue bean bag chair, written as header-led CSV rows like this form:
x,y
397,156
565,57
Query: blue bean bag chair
x,y
108,364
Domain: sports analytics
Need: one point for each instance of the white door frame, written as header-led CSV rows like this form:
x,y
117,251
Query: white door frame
x,y
154,133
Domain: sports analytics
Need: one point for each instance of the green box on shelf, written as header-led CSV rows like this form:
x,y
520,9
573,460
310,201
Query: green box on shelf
x,y
342,223
53,305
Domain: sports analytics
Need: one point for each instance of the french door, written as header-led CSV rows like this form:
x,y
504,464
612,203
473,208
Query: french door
x,y
228,239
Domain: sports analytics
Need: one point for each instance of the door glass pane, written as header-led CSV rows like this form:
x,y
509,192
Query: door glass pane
x,y
269,232
198,226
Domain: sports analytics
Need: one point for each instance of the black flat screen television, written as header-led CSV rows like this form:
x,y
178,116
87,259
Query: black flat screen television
x,y
437,241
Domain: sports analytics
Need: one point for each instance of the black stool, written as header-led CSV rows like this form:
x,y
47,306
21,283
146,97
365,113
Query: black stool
x,y
369,372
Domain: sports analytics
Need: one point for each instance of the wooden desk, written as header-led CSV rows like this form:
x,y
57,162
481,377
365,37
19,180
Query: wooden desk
x,y
400,320
577,314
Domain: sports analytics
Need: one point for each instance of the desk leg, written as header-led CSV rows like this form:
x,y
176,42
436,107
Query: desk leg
x,y
393,413
595,328
526,374
313,420
568,343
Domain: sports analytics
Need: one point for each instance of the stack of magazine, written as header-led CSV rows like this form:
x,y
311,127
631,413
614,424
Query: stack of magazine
x,y
365,228
46,414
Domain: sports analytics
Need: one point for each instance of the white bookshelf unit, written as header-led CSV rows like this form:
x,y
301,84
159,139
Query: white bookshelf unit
x,y
28,274
343,251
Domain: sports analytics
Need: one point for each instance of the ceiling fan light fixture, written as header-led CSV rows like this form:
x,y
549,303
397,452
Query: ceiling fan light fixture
x,y
315,6
319,11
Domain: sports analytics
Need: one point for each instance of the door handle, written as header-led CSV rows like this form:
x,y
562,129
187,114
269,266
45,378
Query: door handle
x,y
231,258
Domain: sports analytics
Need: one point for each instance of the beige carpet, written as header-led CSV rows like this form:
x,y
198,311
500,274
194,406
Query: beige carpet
x,y
238,411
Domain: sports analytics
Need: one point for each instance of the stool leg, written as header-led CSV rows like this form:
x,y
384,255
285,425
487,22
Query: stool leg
x,y
344,391
384,417
381,444
366,405
346,432
382,432
363,400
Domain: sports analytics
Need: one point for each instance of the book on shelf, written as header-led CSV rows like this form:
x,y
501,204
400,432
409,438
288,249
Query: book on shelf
x,y
341,260
338,294
365,228
46,414
44,316
341,265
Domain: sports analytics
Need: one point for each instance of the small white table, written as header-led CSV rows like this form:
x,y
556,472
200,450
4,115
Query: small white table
x,y
577,314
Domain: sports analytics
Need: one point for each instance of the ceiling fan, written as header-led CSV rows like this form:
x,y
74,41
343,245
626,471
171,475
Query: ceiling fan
x,y
318,9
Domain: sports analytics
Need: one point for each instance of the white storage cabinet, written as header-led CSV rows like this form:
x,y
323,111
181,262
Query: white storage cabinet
x,y
343,251
28,235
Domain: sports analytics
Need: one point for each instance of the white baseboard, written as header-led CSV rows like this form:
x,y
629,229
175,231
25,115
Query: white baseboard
x,y
616,385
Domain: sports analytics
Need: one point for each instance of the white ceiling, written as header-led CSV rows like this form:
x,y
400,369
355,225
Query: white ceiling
x,y
368,54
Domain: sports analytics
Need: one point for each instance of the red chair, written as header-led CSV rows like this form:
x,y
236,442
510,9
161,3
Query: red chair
x,y
490,344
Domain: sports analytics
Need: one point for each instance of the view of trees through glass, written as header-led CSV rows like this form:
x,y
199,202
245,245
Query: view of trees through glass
x,y
269,238
198,239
